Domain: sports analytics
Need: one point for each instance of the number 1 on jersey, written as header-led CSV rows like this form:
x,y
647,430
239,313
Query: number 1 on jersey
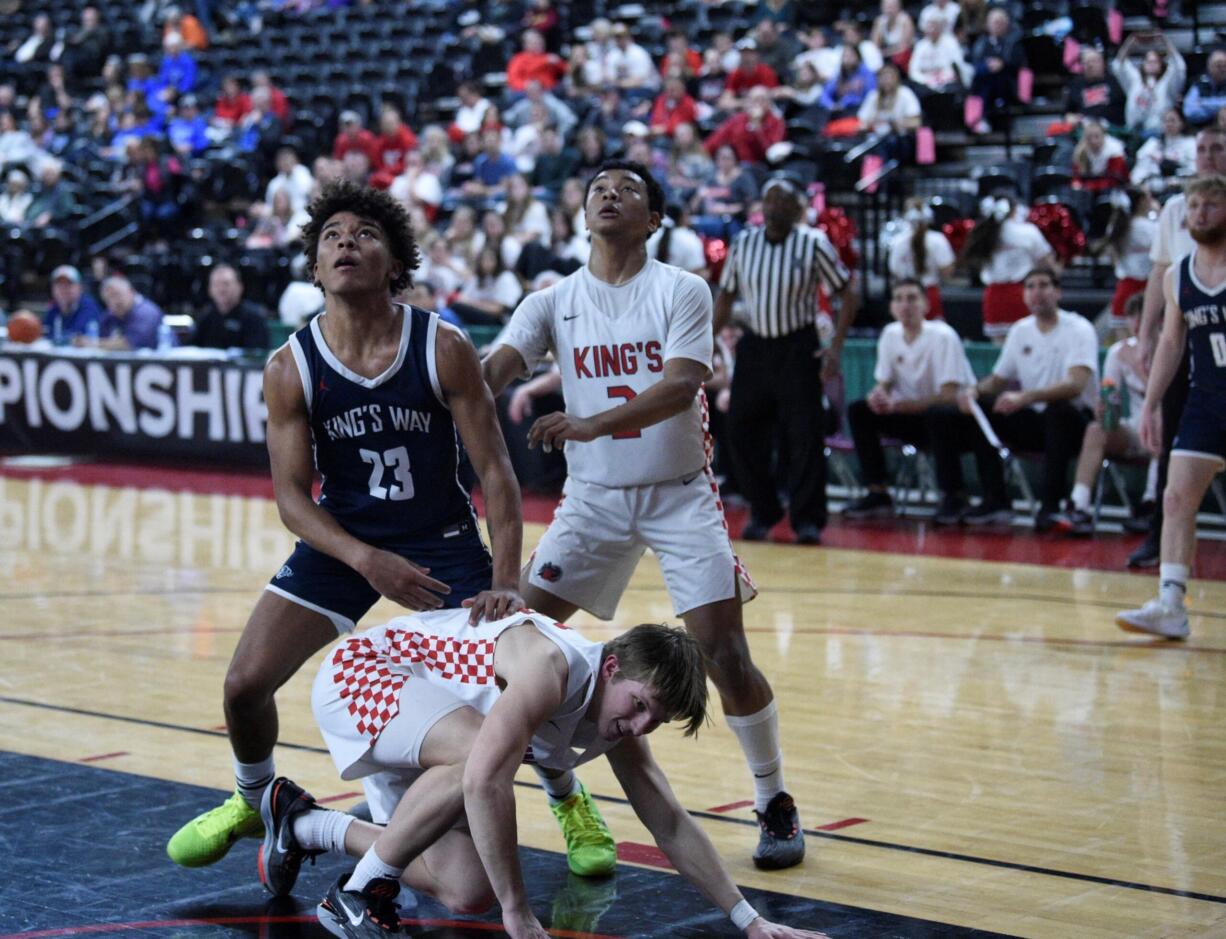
x,y
397,460
628,393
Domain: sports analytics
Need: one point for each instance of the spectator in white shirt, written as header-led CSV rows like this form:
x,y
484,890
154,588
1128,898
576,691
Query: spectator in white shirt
x,y
922,253
471,112
1164,161
633,70
600,69
1154,87
824,57
893,30
526,217
489,296
292,177
675,243
16,198
945,9
1116,435
892,110
1004,249
938,60
417,186
1052,356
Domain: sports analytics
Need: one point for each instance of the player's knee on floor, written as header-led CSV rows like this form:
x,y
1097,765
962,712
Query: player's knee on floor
x,y
468,899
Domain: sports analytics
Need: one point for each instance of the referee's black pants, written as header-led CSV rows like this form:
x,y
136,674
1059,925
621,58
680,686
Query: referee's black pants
x,y
777,386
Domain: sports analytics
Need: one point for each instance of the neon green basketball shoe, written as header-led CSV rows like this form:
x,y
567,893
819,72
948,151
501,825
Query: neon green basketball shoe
x,y
206,838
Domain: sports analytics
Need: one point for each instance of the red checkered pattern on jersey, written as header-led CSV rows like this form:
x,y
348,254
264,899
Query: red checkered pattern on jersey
x,y
365,674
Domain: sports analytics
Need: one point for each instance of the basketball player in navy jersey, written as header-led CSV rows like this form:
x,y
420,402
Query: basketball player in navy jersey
x,y
1195,317
376,396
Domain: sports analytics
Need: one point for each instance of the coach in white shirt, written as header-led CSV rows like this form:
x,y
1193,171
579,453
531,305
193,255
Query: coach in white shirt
x,y
1052,355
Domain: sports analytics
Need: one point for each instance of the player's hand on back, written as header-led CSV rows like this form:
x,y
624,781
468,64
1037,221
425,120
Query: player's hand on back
x,y
403,582
763,929
554,429
493,604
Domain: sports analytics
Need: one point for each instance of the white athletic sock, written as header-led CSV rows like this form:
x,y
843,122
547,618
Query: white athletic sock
x,y
322,830
371,867
1081,497
758,735
559,788
1151,482
1172,585
253,779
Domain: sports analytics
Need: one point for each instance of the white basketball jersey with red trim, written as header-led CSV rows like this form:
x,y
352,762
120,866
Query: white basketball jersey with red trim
x,y
611,343
373,671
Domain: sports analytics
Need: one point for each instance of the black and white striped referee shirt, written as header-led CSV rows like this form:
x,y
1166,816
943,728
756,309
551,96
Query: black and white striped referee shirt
x,y
778,282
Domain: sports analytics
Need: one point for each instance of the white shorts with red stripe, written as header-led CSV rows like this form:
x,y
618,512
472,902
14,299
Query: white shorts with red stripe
x,y
598,534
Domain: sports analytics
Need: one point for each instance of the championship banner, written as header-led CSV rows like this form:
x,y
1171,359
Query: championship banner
x,y
177,406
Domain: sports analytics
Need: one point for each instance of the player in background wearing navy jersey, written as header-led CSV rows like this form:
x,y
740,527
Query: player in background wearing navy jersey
x,y
1195,290
376,396
633,340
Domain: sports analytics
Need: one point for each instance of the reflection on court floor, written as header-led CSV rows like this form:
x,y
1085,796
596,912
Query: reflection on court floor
x,y
93,863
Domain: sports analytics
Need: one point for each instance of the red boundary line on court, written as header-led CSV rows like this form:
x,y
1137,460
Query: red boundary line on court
x,y
102,756
95,928
337,798
845,823
720,809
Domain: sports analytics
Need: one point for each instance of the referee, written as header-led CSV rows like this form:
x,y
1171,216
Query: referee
x,y
777,383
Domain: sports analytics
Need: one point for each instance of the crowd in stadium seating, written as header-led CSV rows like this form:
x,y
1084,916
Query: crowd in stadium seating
x,y
173,151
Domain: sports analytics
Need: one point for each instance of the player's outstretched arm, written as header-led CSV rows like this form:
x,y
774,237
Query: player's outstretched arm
x,y
293,473
671,395
685,844
535,672
472,409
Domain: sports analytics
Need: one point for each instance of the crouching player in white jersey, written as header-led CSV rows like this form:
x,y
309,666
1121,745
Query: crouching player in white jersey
x,y
436,714
632,338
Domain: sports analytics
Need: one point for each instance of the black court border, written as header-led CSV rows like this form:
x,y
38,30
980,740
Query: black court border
x,y
725,819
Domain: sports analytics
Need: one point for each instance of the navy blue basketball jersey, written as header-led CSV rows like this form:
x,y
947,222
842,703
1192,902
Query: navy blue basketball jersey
x,y
386,447
1204,315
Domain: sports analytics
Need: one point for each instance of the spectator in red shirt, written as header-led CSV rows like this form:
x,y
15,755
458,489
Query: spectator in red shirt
x,y
233,104
353,136
534,63
680,56
393,144
280,103
750,132
750,72
673,106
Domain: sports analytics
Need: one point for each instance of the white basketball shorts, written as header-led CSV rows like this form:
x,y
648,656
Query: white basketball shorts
x,y
598,534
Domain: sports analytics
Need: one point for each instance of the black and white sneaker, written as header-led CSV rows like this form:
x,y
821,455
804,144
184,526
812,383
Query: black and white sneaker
x,y
781,841
280,856
1076,522
870,505
369,914
988,513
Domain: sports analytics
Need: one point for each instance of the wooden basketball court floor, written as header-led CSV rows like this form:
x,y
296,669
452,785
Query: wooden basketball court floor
x,y
973,745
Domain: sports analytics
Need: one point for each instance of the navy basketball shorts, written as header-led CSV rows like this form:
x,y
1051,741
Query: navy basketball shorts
x,y
457,557
1202,431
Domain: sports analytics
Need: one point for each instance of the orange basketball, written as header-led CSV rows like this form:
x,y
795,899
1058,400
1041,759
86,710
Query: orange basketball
x,y
24,327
